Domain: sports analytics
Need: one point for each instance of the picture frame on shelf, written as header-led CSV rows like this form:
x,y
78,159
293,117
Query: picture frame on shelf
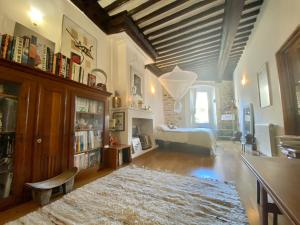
x,y
91,80
120,121
263,84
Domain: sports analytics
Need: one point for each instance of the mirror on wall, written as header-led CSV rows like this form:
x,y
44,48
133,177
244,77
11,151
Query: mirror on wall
x,y
264,86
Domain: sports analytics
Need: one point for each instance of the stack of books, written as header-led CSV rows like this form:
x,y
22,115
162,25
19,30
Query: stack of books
x,y
290,145
87,140
27,50
85,160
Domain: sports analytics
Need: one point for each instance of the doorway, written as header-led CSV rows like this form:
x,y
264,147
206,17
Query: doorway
x,y
288,61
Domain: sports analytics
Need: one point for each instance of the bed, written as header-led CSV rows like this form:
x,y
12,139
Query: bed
x,y
202,137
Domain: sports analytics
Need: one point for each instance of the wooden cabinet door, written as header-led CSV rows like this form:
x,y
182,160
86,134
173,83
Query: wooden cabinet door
x,y
50,141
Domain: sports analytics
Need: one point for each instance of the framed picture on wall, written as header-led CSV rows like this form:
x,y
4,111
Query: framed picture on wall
x,y
120,121
136,83
264,86
76,40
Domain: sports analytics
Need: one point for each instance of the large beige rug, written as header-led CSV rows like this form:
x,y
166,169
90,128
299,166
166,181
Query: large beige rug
x,y
140,196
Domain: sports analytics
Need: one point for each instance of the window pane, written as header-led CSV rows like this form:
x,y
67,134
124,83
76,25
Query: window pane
x,y
201,109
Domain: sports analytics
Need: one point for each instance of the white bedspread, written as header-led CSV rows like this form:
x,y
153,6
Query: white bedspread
x,y
194,136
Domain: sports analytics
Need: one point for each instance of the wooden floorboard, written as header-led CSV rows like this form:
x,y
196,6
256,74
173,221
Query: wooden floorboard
x,y
225,166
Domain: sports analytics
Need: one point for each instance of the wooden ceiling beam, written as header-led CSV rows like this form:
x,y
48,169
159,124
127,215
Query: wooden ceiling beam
x,y
247,22
189,50
239,45
253,5
245,29
178,14
142,7
160,11
115,5
250,14
232,16
241,40
242,35
188,36
154,69
236,53
190,59
191,46
237,50
192,54
200,38
185,66
186,28
183,22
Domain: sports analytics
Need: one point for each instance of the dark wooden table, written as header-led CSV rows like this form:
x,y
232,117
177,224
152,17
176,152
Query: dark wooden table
x,y
279,178
112,155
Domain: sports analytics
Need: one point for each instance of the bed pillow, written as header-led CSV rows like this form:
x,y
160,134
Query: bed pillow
x,y
163,127
172,126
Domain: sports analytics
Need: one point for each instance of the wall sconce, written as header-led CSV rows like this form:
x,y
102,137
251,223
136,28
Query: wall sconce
x,y
36,16
244,81
152,89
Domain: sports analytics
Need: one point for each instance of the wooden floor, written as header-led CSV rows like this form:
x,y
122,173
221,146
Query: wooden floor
x,y
226,166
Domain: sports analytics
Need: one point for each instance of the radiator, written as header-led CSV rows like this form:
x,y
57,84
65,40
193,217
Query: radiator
x,y
265,139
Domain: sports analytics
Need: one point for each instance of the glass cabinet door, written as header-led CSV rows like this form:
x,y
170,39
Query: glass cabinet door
x,y
89,125
9,93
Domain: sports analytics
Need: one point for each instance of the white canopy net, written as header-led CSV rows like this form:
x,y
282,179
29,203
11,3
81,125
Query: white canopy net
x,y
177,83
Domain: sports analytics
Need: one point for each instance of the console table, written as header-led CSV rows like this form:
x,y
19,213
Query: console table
x,y
279,178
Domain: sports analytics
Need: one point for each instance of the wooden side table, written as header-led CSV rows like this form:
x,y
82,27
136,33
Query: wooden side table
x,y
117,155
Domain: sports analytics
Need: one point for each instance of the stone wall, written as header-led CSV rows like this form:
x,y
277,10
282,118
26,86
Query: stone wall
x,y
171,116
224,94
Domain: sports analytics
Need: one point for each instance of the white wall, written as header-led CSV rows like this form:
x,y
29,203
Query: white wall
x,y
17,11
276,22
125,54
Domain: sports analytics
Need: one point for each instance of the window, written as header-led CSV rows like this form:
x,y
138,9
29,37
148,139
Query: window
x,y
201,108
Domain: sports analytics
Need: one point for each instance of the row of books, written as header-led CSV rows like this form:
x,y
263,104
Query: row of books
x,y
86,140
290,145
85,160
27,50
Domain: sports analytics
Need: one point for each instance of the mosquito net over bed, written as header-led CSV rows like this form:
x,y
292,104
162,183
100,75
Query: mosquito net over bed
x,y
177,83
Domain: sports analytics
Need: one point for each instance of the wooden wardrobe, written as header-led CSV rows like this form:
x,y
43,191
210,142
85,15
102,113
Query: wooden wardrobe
x,y
45,120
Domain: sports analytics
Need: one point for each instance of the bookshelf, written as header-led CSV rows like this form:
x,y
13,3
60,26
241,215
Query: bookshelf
x,y
40,127
89,128
9,93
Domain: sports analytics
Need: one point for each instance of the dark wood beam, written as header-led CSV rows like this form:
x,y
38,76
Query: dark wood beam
x,y
186,56
183,22
142,7
154,69
94,11
239,45
190,50
247,22
122,22
241,40
237,50
185,66
250,14
190,47
253,5
115,5
187,60
179,13
233,12
245,29
188,36
236,53
161,11
242,35
186,28
206,36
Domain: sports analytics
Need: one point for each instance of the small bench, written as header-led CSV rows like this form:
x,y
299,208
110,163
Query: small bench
x,y
42,191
